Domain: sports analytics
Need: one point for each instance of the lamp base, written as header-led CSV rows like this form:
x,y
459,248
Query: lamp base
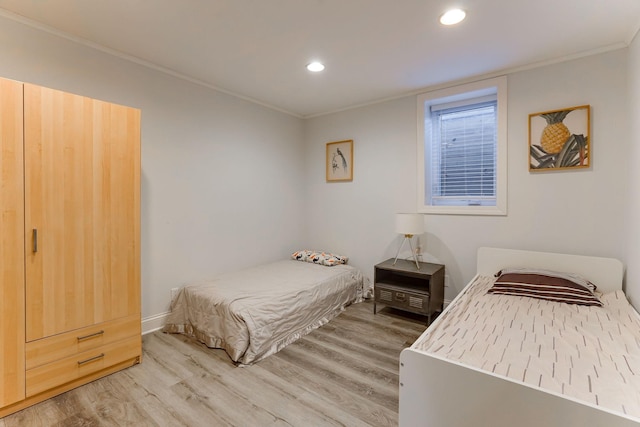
x,y
407,237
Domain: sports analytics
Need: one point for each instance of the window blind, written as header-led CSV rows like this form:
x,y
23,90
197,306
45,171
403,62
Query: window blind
x,y
463,153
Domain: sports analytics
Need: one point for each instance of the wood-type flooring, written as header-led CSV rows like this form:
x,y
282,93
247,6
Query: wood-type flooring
x,y
342,374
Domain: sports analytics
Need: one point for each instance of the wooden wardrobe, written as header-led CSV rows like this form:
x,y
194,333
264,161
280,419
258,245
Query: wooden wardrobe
x,y
69,242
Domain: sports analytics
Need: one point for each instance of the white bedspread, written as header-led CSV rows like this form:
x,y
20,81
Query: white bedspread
x,y
257,311
587,353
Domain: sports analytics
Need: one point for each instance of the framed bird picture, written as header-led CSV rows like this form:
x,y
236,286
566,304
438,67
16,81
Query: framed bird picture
x,y
340,161
559,139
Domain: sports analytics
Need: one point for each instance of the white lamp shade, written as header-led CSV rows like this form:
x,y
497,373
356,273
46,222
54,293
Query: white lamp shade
x,y
409,223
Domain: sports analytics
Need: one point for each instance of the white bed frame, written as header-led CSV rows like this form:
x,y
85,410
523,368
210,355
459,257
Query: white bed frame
x,y
441,393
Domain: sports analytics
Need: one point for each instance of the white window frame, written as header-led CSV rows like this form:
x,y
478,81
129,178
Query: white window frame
x,y
469,91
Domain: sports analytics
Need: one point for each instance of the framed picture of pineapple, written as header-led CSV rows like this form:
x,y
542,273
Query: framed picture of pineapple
x,y
559,139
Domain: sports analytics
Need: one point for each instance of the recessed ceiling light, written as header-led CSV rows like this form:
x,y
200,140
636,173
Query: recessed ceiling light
x,y
452,17
315,67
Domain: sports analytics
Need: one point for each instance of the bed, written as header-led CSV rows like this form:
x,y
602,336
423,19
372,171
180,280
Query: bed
x,y
554,381
256,312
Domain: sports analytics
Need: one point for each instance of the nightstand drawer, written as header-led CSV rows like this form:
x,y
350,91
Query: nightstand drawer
x,y
402,299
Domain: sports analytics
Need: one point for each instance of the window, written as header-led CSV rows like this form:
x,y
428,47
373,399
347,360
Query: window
x,y
462,149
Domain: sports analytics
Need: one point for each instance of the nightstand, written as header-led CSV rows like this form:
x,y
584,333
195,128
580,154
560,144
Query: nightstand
x,y
404,287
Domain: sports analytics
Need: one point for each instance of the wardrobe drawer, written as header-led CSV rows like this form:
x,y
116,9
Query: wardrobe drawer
x,y
47,350
77,366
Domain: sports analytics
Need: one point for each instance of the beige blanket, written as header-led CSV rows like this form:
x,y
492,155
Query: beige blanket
x,y
257,311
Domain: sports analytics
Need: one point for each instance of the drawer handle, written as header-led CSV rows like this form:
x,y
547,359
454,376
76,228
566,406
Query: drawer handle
x,y
400,296
86,337
91,359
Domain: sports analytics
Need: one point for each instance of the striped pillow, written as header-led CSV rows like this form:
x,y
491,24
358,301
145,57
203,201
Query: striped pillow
x,y
547,285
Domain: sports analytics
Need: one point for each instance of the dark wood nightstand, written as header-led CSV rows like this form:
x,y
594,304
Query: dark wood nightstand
x,y
404,287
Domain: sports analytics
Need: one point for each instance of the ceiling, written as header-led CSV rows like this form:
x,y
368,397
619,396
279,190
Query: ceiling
x,y
373,49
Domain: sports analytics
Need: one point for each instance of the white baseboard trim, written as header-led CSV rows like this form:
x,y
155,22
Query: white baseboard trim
x,y
153,323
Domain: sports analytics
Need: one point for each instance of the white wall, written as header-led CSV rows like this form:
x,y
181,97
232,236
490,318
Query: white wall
x,y
221,185
633,182
226,183
577,212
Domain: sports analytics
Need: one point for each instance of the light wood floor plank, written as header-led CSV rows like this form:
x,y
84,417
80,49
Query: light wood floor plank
x,y
351,373
343,374
336,397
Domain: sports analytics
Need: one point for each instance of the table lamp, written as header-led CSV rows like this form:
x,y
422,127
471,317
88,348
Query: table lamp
x,y
409,224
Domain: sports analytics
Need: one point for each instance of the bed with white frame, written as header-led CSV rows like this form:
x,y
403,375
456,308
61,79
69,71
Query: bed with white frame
x,y
435,391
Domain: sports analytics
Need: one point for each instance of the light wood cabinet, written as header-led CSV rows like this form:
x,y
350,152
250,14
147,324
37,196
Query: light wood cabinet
x,y
70,261
12,307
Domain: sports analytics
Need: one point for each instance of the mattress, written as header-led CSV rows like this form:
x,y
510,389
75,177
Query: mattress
x,y
590,354
256,312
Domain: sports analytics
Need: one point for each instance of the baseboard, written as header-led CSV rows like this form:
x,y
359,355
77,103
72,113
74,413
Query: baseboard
x,y
153,323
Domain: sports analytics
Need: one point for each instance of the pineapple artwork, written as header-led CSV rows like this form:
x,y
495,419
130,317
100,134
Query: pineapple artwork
x,y
559,139
555,134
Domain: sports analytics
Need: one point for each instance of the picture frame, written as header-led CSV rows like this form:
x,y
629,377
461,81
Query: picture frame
x,y
559,139
340,161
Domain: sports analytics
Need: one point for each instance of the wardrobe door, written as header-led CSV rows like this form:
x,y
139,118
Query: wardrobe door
x,y
82,204
12,363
